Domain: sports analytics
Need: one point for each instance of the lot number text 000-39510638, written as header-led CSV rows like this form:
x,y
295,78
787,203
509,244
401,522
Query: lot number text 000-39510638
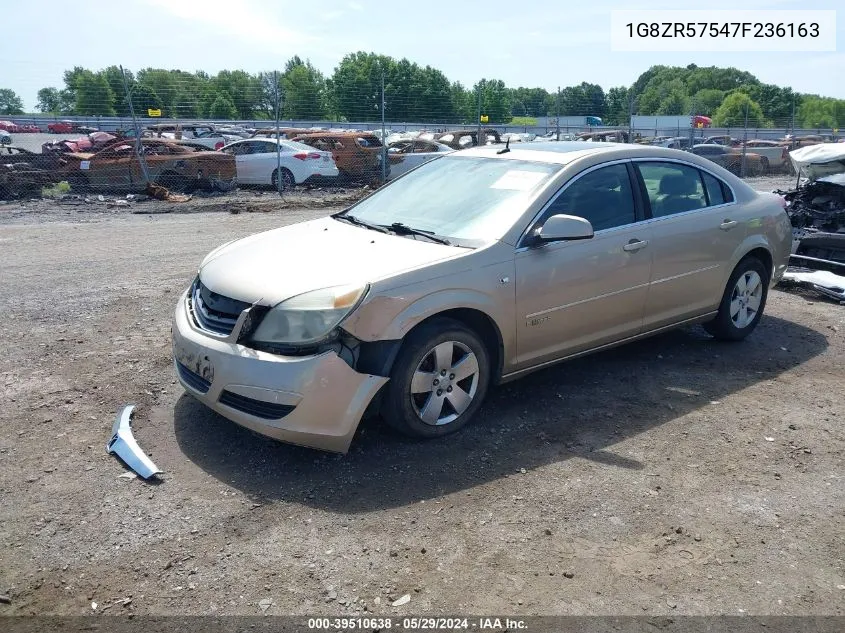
x,y
723,31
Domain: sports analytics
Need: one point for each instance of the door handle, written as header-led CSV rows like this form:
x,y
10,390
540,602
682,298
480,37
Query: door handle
x,y
727,225
635,245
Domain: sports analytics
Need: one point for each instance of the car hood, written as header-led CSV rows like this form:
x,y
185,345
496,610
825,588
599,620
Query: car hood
x,y
270,267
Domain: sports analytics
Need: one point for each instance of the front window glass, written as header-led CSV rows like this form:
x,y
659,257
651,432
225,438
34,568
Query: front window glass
x,y
604,197
459,197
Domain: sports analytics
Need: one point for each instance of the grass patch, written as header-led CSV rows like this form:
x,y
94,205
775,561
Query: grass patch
x,y
523,120
57,190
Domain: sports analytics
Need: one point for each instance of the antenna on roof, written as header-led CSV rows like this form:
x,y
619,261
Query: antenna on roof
x,y
507,147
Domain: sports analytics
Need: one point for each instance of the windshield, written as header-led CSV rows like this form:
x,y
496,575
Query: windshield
x,y
458,197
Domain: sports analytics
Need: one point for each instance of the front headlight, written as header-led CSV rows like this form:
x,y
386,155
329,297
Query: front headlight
x,y
309,317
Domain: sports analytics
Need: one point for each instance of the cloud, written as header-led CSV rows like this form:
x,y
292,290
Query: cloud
x,y
246,22
355,6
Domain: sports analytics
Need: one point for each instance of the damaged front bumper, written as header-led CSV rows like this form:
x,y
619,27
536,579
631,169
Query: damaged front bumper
x,y
124,445
315,401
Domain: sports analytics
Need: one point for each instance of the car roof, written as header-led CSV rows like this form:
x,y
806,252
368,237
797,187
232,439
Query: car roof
x,y
565,152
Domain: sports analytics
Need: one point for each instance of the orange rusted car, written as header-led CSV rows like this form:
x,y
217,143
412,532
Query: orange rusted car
x,y
177,167
357,155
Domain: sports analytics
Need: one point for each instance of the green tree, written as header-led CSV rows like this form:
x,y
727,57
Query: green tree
x,y
304,91
49,100
223,108
618,105
242,89
10,103
816,112
583,100
707,100
732,112
356,85
531,102
93,95
144,98
674,99
495,100
114,77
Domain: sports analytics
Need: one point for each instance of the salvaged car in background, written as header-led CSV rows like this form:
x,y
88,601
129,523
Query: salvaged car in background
x,y
730,158
258,161
117,168
358,155
471,270
23,172
413,153
773,154
461,139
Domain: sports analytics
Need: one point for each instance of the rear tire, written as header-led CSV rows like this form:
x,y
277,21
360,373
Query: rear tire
x,y
288,181
742,303
438,381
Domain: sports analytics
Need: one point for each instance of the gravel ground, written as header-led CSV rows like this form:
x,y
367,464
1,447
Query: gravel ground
x,y
671,476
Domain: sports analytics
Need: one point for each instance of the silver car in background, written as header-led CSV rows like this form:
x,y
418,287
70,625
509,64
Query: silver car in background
x,y
471,270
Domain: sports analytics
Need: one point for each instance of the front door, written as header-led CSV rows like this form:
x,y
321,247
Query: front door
x,y
576,295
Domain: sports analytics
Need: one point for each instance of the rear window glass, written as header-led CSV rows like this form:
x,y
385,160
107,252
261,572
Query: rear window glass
x,y
715,189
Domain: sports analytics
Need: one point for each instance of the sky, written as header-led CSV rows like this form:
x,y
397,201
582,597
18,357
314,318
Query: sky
x,y
531,43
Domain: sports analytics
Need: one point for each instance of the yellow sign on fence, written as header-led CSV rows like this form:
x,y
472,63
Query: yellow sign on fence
x,y
484,118
151,112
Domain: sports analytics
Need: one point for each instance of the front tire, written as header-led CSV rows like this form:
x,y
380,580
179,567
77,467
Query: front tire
x,y
438,381
742,303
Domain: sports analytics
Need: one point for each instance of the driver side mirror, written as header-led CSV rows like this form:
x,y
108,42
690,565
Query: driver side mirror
x,y
560,228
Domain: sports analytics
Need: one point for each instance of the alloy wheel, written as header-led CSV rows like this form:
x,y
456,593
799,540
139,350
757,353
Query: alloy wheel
x,y
444,383
745,298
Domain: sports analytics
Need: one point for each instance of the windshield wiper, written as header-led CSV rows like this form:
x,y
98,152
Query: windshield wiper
x,y
403,229
358,222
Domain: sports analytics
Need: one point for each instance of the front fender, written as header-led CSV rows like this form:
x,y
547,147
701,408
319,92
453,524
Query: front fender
x,y
393,317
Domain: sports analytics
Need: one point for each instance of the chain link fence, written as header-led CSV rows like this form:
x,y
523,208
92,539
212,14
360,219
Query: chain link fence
x,y
170,134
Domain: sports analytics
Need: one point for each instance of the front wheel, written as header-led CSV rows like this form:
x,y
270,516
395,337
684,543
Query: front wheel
x,y
742,303
438,381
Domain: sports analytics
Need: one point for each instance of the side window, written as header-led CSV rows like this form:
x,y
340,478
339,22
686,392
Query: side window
x,y
715,189
604,197
672,188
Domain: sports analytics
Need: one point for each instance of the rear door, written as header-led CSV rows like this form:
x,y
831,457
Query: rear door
x,y
694,233
576,295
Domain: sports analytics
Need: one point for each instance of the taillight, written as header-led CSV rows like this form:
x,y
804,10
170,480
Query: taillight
x,y
307,156
218,145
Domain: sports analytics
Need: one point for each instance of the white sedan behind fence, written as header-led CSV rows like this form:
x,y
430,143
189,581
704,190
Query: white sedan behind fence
x,y
258,164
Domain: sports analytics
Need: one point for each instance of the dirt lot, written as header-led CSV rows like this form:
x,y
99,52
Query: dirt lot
x,y
672,476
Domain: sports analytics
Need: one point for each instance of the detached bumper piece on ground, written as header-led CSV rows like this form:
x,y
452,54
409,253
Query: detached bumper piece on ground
x,y
123,444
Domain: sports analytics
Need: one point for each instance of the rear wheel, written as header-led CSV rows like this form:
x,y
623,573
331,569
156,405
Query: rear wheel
x,y
174,182
288,181
742,303
439,380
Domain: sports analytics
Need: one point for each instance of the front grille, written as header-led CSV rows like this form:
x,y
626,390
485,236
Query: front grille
x,y
214,312
257,408
192,379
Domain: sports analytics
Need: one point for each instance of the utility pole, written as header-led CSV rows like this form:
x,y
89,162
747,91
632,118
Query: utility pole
x,y
383,135
744,144
557,116
478,119
141,162
631,116
278,92
793,116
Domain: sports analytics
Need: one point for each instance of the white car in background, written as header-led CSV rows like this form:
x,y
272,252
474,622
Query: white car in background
x,y
413,153
257,162
5,138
